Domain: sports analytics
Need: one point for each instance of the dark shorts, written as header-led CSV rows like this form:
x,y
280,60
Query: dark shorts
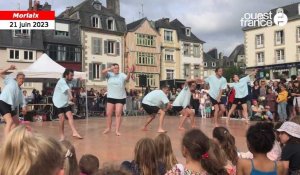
x,y
116,101
241,101
5,108
63,110
215,102
177,108
150,109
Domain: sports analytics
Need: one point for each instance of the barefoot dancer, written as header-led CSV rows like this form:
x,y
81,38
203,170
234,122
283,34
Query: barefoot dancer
x,y
152,103
11,98
61,98
217,84
116,95
241,92
182,102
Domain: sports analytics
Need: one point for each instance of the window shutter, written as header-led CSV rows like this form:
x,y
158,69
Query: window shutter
x,y
103,66
105,46
91,71
93,46
118,48
100,46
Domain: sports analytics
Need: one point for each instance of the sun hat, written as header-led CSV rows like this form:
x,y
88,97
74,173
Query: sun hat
x,y
293,129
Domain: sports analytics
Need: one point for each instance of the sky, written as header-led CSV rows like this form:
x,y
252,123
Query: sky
x,y
217,22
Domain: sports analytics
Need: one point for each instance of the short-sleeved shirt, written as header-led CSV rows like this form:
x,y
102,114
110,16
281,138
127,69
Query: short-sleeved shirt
x,y
184,97
241,87
61,95
12,93
116,85
156,98
215,85
291,153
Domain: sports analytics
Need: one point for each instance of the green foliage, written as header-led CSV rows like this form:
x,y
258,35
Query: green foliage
x,y
230,71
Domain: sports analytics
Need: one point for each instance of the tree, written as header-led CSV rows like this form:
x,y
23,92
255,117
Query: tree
x,y
230,71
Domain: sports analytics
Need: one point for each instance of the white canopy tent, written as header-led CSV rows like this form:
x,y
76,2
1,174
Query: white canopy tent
x,y
45,69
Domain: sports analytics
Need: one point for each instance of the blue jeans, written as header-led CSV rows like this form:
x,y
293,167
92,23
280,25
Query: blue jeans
x,y
282,111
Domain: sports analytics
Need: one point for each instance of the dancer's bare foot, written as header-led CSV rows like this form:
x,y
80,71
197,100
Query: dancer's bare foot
x,y
77,136
107,130
62,138
161,131
118,133
181,128
227,120
145,129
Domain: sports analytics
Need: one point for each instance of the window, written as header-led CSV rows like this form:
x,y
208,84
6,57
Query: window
x,y
280,55
111,47
213,64
196,51
169,57
14,55
64,53
145,40
186,70
61,29
298,49
96,46
259,41
110,24
186,50
260,57
61,33
168,35
188,31
28,84
298,34
196,70
28,55
97,5
150,79
96,71
96,22
22,33
205,64
279,37
145,58
170,74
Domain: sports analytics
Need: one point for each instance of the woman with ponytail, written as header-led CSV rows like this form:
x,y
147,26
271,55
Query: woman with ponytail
x,y
200,160
70,164
226,142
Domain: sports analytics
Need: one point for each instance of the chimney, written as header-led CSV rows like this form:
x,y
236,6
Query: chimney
x,y
30,5
113,5
167,20
221,56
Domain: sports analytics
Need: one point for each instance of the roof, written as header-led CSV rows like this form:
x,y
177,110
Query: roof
x,y
291,12
85,11
239,50
213,53
134,25
180,28
33,42
164,23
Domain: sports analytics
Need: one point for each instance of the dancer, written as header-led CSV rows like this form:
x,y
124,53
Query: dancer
x,y
11,98
62,96
182,102
217,85
152,104
116,95
241,92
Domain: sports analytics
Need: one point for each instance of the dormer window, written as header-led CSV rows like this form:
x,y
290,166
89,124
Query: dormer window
x,y
96,22
97,5
188,31
279,10
111,24
22,33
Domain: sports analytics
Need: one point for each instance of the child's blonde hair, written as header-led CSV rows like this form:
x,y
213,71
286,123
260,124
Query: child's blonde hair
x,y
164,151
70,164
29,154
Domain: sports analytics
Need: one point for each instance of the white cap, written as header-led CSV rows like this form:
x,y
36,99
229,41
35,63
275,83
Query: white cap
x,y
293,129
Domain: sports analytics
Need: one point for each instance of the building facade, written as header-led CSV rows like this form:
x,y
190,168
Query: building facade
x,y
170,50
275,50
191,52
142,50
102,37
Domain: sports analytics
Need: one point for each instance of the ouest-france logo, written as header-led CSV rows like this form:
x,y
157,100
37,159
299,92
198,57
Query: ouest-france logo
x,y
264,19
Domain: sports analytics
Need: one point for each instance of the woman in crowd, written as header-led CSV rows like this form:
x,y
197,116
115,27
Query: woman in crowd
x,y
282,102
116,95
255,90
289,135
24,153
226,142
296,98
260,140
70,163
145,159
199,159
271,101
